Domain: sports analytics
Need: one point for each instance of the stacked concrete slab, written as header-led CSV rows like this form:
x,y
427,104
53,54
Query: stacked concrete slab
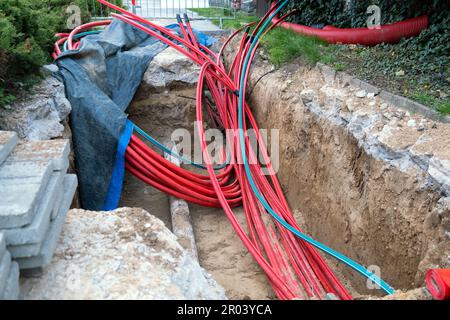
x,y
9,273
35,195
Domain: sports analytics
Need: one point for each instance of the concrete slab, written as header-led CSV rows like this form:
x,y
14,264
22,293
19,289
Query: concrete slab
x,y
12,289
26,250
58,203
2,244
21,187
55,150
8,140
24,169
35,232
33,249
5,266
49,245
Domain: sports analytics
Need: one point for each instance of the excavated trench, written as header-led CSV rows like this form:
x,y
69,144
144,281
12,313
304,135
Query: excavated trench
x,y
221,252
343,194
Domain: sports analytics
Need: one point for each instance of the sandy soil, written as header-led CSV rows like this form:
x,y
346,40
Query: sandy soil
x,y
223,255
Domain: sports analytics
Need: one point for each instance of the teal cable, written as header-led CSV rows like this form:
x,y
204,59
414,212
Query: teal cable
x,y
80,35
176,155
386,287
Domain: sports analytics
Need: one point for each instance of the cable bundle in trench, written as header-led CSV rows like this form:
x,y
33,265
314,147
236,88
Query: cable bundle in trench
x,y
289,257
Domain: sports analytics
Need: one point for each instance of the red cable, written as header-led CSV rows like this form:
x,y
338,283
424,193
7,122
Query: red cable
x,y
294,268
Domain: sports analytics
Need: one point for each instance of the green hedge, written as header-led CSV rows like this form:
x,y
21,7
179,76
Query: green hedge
x,y
27,29
353,14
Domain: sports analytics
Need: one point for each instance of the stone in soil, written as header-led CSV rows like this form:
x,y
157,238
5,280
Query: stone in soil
x,y
39,116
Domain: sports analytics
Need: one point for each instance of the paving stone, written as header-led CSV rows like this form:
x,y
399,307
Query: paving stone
x,y
33,249
26,250
55,150
2,244
12,289
24,169
49,244
21,187
58,203
35,232
8,140
5,266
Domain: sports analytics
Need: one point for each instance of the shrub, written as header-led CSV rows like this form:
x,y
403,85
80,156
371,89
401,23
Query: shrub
x,y
27,29
352,14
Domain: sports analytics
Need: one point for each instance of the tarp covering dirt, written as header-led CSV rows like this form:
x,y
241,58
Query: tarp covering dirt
x,y
101,79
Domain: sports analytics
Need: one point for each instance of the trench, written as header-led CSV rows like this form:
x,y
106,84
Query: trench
x,y
342,196
220,250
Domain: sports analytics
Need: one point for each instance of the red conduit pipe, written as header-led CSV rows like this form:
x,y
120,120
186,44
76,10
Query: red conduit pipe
x,y
438,283
231,186
390,33
84,27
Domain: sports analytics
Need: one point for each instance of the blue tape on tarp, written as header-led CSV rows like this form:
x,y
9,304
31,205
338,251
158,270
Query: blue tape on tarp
x,y
202,38
115,186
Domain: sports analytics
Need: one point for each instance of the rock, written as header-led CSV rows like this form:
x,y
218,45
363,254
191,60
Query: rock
x,y
49,69
399,114
169,69
439,169
411,123
123,254
308,95
414,294
371,95
333,93
361,94
39,115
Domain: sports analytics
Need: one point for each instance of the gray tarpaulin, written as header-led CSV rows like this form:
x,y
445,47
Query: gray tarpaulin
x,y
101,79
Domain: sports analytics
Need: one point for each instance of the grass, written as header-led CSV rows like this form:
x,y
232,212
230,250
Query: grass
x,y
284,45
212,12
444,107
229,23
427,99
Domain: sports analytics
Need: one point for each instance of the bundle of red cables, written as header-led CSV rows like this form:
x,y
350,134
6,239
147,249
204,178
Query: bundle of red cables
x,y
294,267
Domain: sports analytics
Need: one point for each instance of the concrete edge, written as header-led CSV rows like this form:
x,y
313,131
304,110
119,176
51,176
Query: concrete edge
x,y
388,97
8,147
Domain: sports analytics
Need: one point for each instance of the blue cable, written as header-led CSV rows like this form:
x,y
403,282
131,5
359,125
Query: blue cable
x,y
176,155
386,287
